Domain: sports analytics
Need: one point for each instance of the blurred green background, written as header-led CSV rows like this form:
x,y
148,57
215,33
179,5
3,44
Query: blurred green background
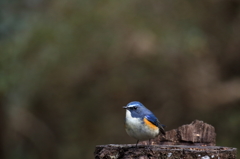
x,y
68,67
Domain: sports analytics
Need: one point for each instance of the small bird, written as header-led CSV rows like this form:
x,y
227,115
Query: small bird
x,y
141,123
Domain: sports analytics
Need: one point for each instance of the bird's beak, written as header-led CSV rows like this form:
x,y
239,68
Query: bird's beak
x,y
124,107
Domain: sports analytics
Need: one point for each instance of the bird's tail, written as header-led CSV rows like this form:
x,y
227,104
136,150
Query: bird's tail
x,y
161,127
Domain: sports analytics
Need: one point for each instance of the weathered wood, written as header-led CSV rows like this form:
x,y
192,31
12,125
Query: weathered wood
x,y
163,151
195,140
197,133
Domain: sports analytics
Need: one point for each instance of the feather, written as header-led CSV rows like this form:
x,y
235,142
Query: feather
x,y
154,120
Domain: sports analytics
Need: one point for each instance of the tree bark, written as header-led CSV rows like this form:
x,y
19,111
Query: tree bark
x,y
195,140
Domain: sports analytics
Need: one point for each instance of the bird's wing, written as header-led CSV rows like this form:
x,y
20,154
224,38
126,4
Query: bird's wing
x,y
154,120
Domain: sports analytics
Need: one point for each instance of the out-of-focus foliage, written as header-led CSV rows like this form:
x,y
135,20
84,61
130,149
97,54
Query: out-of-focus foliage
x,y
68,67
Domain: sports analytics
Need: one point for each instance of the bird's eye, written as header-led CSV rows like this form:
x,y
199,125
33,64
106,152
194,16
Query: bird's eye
x,y
134,108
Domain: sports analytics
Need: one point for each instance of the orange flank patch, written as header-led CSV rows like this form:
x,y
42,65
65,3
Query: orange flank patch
x,y
149,124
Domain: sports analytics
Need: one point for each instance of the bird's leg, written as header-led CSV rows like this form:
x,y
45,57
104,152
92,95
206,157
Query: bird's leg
x,y
149,145
137,143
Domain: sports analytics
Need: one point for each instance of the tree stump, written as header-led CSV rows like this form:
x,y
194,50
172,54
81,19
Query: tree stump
x,y
195,140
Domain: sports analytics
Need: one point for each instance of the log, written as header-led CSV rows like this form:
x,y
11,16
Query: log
x,y
163,151
195,140
196,133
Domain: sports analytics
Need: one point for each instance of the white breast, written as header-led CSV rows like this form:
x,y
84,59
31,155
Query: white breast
x,y
137,129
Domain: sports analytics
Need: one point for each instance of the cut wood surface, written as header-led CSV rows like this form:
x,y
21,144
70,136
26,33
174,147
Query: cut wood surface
x,y
164,151
195,140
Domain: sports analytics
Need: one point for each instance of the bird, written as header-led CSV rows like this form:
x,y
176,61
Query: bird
x,y
141,123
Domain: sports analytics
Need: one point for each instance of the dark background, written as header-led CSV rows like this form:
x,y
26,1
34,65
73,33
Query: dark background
x,y
68,67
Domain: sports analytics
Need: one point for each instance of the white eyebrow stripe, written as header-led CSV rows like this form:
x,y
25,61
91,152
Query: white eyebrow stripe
x,y
132,105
